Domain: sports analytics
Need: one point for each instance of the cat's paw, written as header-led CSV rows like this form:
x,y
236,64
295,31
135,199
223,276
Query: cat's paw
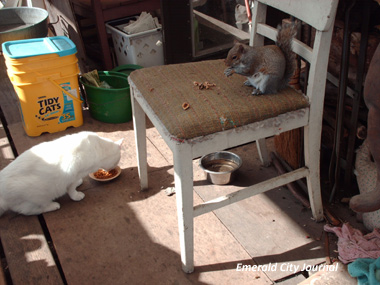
x,y
77,196
53,206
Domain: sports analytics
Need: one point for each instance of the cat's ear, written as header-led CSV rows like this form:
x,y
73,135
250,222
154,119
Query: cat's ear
x,y
120,141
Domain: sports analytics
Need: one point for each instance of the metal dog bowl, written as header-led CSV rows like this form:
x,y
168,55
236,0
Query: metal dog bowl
x,y
220,167
22,23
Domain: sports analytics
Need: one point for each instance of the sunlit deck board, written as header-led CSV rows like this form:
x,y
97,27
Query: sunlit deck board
x,y
27,252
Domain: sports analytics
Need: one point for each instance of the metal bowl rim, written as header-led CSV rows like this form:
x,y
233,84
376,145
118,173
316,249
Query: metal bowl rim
x,y
218,172
45,17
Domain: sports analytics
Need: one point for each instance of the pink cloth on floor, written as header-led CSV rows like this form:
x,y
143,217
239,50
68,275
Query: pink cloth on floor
x,y
352,244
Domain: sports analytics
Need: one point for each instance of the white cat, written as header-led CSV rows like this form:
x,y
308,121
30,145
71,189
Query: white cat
x,y
30,183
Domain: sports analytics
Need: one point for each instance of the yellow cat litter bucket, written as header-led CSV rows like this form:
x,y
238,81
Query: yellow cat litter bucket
x,y
44,73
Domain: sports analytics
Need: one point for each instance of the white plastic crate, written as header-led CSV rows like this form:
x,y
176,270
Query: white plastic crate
x,y
145,48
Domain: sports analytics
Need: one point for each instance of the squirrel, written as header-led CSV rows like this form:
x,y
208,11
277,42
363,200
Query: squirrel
x,y
267,68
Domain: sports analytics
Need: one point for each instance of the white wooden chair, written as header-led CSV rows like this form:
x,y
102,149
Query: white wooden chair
x,y
227,115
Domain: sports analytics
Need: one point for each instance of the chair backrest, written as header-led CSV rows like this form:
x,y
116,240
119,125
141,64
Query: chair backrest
x,y
319,14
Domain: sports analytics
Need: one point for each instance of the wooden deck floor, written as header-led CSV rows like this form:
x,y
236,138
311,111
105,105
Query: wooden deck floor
x,y
119,235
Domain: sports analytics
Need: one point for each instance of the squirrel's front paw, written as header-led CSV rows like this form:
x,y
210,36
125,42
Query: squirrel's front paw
x,y
256,92
247,83
228,72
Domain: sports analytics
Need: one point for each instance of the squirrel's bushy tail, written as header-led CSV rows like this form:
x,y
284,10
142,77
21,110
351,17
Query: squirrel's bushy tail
x,y
285,35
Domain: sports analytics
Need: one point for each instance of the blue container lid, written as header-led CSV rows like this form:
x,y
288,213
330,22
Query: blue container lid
x,y
60,45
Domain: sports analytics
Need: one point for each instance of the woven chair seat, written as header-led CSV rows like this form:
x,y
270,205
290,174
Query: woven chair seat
x,y
228,104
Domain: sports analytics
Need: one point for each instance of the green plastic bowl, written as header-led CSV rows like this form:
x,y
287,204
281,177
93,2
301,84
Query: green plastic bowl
x,y
110,105
127,68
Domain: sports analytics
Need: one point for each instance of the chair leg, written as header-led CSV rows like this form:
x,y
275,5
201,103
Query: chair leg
x,y
263,152
139,126
183,179
312,161
102,34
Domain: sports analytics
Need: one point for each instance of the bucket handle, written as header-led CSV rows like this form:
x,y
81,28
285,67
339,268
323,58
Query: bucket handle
x,y
64,91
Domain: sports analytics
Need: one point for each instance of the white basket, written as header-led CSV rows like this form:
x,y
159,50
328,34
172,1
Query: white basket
x,y
144,49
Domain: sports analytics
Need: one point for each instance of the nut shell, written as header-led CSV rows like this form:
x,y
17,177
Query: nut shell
x,y
185,106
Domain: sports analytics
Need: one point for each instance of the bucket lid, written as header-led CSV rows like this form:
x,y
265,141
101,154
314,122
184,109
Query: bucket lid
x,y
60,45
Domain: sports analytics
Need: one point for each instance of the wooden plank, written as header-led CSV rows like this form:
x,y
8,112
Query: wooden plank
x,y
27,251
8,96
6,154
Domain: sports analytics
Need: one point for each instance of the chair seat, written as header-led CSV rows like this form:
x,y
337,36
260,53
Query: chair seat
x,y
228,104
